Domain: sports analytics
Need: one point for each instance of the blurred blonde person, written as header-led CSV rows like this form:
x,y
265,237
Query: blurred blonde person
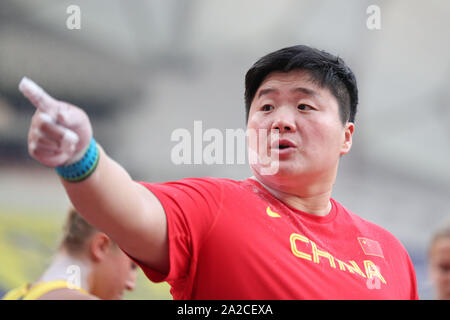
x,y
87,266
439,261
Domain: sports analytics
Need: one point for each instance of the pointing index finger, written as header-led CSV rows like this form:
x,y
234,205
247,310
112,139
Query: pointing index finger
x,y
38,97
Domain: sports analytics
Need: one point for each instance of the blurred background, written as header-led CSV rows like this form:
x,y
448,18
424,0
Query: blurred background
x,y
142,69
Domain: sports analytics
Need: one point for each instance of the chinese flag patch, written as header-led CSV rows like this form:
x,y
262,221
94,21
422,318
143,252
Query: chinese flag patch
x,y
371,247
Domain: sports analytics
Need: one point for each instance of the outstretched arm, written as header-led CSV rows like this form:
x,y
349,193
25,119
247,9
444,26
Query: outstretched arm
x,y
109,199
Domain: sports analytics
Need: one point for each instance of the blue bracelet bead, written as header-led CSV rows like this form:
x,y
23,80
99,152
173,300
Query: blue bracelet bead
x,y
83,168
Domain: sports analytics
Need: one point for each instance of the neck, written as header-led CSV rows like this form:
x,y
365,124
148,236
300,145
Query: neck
x,y
312,201
69,268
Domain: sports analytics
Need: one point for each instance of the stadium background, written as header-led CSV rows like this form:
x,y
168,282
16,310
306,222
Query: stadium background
x,y
142,69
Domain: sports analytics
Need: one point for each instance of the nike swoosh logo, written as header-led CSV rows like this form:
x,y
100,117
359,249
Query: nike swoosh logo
x,y
272,214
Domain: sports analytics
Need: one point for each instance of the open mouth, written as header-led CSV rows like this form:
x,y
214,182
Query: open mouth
x,y
283,144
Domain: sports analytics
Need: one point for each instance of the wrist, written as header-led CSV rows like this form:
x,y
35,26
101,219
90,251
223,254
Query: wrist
x,y
83,167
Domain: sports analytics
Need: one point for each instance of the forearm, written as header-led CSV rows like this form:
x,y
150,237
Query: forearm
x,y
108,199
125,210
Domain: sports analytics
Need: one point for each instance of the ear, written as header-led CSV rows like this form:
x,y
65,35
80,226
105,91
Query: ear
x,y
99,246
348,136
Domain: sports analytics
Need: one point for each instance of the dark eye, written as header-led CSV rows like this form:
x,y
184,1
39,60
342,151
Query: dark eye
x,y
266,107
303,107
444,268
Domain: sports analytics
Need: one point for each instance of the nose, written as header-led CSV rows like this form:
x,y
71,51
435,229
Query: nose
x,y
130,284
283,121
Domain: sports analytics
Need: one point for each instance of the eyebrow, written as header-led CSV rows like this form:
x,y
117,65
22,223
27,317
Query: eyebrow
x,y
306,91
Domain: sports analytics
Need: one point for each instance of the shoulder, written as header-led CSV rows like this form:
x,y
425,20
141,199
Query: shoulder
x,y
376,240
204,183
67,294
369,229
208,181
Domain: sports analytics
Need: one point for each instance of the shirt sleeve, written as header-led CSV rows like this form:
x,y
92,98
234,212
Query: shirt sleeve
x,y
191,207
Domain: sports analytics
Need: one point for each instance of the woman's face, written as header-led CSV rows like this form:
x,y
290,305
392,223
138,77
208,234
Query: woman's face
x,y
440,267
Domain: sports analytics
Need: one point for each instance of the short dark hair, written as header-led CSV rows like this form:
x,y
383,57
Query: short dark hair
x,y
325,69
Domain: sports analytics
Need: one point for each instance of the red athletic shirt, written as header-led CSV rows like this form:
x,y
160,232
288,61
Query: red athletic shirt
x,y
234,240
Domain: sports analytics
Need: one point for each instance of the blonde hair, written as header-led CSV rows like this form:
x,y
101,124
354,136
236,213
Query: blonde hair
x,y
76,232
442,232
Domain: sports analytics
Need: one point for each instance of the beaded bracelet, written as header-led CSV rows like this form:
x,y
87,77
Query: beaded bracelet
x,y
83,168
